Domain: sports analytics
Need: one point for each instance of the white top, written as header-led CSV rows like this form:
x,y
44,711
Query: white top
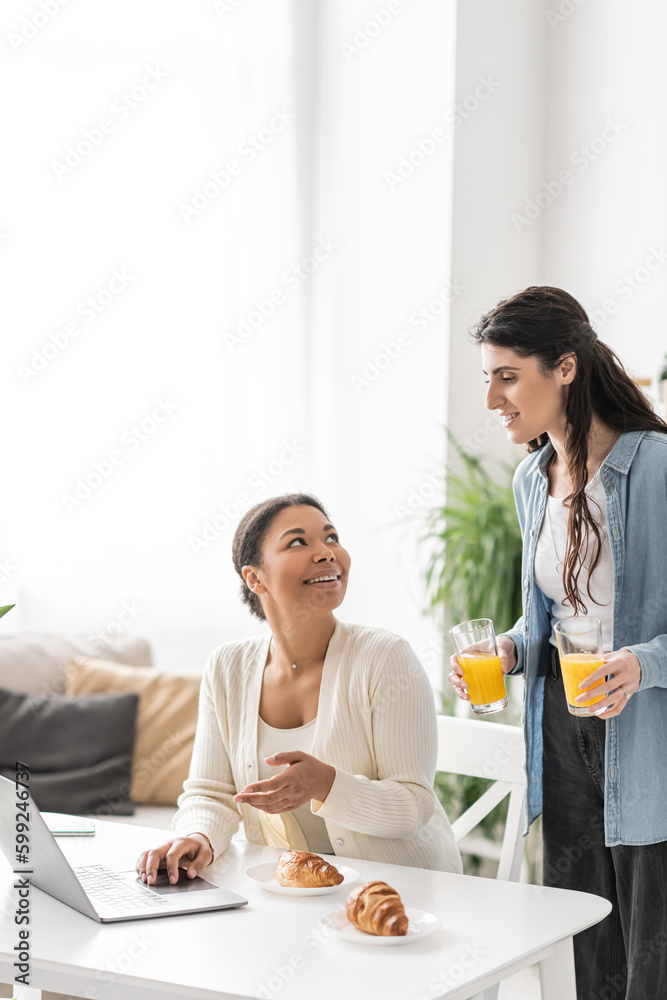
x,y
375,724
271,740
549,555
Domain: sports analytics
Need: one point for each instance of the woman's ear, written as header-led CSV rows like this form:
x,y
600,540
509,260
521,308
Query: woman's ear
x,y
252,580
567,366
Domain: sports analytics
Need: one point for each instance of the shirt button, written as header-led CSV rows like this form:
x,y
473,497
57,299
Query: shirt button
x,y
611,774
249,766
526,582
340,843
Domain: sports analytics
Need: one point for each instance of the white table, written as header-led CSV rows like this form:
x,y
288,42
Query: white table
x,y
276,947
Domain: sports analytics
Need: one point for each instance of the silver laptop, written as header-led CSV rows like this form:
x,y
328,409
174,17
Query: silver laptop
x,y
97,890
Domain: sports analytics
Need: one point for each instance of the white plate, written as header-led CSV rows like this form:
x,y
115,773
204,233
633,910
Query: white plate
x,y
420,925
265,875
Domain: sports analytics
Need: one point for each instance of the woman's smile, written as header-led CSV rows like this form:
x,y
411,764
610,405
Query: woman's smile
x,y
325,581
508,418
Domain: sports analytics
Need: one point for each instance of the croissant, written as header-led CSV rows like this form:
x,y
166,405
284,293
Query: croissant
x,y
376,908
305,870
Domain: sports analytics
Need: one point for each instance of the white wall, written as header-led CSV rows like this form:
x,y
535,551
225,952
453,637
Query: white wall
x,y
279,411
568,69
498,156
606,106
121,551
378,399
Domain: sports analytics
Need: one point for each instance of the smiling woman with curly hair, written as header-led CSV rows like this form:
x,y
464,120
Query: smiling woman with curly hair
x,y
319,735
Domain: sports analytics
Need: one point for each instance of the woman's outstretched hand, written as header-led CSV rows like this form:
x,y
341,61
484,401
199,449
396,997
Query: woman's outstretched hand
x,y
304,778
624,673
506,652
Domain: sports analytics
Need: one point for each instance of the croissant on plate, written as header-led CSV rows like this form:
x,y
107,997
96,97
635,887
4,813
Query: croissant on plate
x,y
301,869
376,908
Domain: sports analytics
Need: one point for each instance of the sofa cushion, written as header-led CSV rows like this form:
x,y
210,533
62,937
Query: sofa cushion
x,y
35,664
79,750
166,722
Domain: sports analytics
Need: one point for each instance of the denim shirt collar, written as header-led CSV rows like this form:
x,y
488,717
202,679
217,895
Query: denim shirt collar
x,y
619,458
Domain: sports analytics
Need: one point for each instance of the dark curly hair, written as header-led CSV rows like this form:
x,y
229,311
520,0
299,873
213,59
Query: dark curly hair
x,y
251,532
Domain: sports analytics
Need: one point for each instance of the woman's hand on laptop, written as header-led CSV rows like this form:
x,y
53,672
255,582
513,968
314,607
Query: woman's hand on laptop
x,y
193,853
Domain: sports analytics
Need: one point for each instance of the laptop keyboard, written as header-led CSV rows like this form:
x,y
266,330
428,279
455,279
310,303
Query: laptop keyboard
x,y
104,886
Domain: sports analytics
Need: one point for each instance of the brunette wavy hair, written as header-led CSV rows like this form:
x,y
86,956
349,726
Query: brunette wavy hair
x,y
548,324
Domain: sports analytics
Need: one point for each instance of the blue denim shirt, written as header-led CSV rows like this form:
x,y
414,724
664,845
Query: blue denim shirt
x,y
634,476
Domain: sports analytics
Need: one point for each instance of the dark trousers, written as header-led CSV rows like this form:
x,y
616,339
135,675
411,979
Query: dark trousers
x,y
625,956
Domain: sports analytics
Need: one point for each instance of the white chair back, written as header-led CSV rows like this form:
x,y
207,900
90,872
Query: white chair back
x,y
488,750
496,751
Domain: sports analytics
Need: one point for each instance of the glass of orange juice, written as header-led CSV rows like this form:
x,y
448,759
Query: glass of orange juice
x,y
477,655
580,652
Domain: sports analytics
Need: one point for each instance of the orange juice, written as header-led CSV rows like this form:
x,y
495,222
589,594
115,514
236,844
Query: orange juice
x,y
484,677
575,667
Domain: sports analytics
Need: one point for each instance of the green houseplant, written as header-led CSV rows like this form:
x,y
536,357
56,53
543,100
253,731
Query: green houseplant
x,y
5,609
473,571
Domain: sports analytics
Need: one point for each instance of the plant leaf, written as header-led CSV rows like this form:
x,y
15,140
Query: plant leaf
x,y
475,563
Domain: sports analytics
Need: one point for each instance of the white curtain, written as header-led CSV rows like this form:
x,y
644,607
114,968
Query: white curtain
x,y
212,286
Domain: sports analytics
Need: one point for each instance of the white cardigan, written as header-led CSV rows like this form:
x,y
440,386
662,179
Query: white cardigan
x,y
376,725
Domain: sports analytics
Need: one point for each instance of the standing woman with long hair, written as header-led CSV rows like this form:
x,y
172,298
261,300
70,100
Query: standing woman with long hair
x,y
592,503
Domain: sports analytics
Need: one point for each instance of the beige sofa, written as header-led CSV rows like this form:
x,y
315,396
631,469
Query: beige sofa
x,y
36,664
